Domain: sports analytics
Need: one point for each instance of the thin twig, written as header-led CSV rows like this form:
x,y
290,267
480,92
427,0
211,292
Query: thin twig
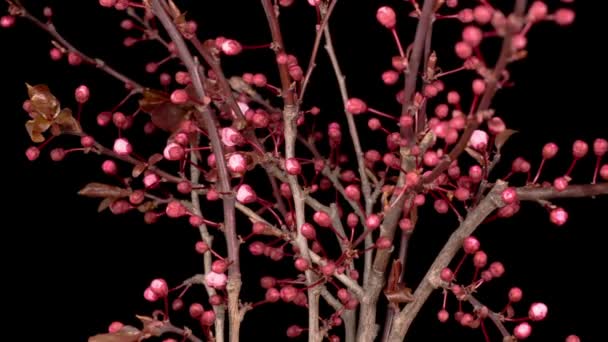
x,y
98,63
312,62
196,208
234,272
486,100
290,113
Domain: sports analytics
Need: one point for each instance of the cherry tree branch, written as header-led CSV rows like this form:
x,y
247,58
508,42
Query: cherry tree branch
x,y
424,25
496,318
530,193
431,280
512,25
474,218
354,134
315,258
196,208
290,113
98,63
326,13
234,272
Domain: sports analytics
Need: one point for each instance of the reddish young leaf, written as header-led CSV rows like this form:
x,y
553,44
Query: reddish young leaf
x,y
125,334
99,190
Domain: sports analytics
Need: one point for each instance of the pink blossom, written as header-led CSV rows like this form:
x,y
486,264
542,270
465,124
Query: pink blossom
x,y
216,280
479,140
245,194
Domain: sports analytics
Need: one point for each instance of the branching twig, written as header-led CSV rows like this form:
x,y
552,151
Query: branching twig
x,y
234,272
326,13
98,63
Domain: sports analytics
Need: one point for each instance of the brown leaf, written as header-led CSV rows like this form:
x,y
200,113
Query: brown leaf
x,y
476,155
105,204
36,127
502,137
67,122
175,12
139,169
400,295
164,114
155,158
43,102
99,190
394,276
125,334
146,206
510,312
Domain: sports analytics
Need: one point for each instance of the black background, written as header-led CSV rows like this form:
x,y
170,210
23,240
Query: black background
x,y
71,271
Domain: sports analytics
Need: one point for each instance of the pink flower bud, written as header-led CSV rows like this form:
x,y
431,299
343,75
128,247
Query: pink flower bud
x,y
549,150
604,172
292,166
231,47
115,326
441,206
600,147
386,17
446,275
122,147
515,294
149,295
272,295
32,153
237,163
479,140
522,331
564,16
497,269
230,136
538,311
480,259
107,3
175,209
383,243
207,318
560,183
390,77
373,221
470,245
159,287
479,86
453,97
509,195
406,224
179,96
538,11
82,94
109,167
288,293
301,264
579,149
201,247
472,35
443,315
245,194
573,338
353,192
483,14
558,216
496,125
216,280
7,21
151,180
219,266
322,219
356,106
174,151
463,50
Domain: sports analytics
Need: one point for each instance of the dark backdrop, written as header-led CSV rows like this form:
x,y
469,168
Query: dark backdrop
x,y
71,271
